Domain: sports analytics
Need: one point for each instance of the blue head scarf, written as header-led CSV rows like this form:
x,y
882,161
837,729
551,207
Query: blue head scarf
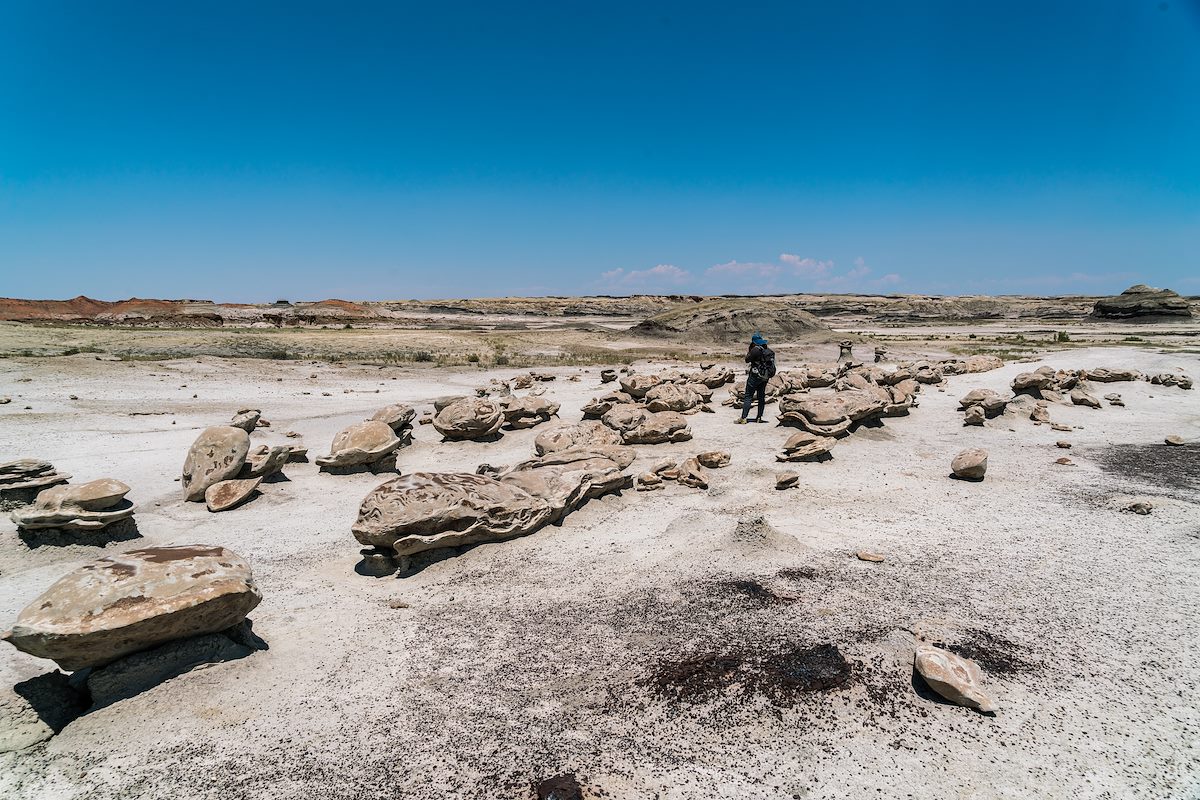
x,y
758,339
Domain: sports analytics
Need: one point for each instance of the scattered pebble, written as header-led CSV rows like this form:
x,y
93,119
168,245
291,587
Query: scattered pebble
x,y
866,555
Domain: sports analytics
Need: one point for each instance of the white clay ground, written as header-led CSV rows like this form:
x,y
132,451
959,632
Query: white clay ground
x,y
519,660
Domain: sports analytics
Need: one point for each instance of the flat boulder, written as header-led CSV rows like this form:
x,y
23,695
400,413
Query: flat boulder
x,y
1081,398
430,510
833,414
597,407
1106,375
714,459
132,601
637,384
361,443
572,437
225,495
970,465
806,446
29,475
566,478
980,363
397,416
469,418
87,507
787,480
955,678
640,426
218,454
526,412
1031,381
264,461
673,397
991,402
246,419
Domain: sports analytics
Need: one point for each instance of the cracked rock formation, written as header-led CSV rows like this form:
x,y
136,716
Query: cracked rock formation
x,y
86,507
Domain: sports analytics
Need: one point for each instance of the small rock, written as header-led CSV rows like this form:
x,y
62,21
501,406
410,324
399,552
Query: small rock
x,y
1064,461
1139,507
953,677
1174,441
970,464
1063,445
974,416
714,459
786,480
398,604
865,555
649,481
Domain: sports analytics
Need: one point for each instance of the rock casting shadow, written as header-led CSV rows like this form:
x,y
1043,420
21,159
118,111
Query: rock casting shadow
x,y
53,698
120,531
139,672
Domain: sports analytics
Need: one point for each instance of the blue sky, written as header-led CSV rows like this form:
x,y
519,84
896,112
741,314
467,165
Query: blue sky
x,y
249,151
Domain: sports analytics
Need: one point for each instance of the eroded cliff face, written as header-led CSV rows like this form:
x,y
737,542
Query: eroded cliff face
x,y
1138,301
1142,301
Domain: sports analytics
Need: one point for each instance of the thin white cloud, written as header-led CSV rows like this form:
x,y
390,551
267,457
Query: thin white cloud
x,y
657,277
806,267
790,273
743,268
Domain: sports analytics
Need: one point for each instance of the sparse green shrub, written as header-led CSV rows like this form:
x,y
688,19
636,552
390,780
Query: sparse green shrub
x,y
473,358
1062,336
422,355
502,360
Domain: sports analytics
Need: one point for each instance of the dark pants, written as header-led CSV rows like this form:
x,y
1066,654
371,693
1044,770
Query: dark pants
x,y
754,388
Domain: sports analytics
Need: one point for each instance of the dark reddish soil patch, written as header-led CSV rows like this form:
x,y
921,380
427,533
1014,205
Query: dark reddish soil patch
x,y
1159,468
754,591
560,787
780,675
994,654
799,574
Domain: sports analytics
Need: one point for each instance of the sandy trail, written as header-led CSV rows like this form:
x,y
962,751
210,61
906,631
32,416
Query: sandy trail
x,y
547,654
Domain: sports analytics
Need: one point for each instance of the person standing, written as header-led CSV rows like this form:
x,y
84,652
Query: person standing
x,y
762,368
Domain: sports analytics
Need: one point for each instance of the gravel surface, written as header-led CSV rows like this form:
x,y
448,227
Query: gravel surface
x,y
673,644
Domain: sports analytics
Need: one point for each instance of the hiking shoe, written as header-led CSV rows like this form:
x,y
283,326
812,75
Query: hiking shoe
x,y
741,421
760,420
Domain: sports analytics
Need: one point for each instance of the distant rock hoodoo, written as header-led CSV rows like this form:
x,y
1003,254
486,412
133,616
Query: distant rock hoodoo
x,y
1142,301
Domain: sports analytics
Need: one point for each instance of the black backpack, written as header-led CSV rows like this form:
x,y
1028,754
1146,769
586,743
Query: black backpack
x,y
763,367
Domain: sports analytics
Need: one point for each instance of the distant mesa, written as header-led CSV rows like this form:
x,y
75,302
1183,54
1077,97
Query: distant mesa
x,y
1142,301
731,320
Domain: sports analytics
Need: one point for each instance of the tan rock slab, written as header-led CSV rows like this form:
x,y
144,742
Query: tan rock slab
x,y
229,494
361,443
123,603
